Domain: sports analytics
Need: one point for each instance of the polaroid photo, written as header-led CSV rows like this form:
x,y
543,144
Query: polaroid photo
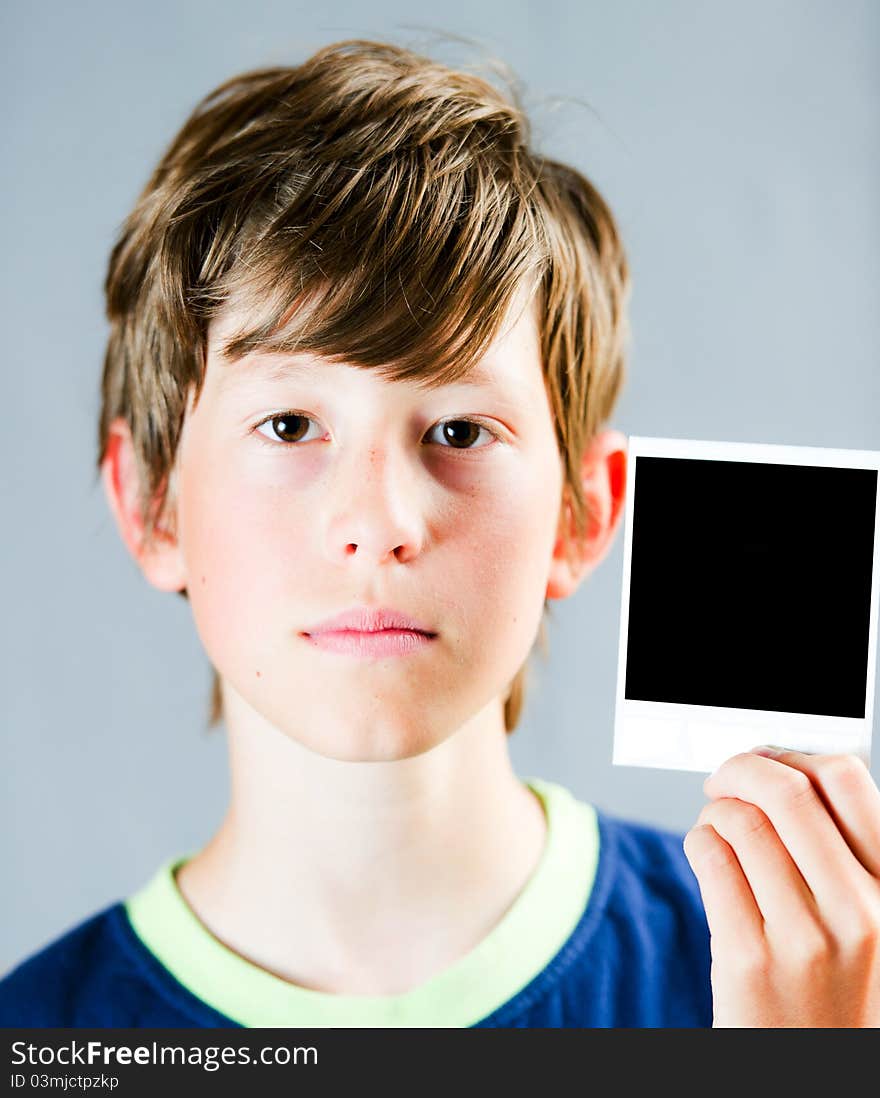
x,y
749,602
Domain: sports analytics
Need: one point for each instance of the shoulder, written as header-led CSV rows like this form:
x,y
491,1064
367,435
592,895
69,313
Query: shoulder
x,y
651,886
655,853
649,861
641,871
640,954
73,980
654,931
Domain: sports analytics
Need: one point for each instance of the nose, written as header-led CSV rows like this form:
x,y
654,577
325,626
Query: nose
x,y
376,514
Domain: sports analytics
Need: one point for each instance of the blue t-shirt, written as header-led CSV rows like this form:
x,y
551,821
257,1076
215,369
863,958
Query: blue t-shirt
x,y
610,931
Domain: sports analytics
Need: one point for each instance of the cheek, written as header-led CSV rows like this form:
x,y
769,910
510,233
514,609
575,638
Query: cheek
x,y
500,553
245,554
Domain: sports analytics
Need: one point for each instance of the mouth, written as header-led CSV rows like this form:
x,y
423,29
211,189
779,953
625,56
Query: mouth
x,y
368,620
373,644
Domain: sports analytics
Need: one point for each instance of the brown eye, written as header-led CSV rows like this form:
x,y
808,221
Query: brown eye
x,y
460,434
290,428
287,427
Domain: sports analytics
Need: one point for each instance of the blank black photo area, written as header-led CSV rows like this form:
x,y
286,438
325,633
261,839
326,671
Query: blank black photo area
x,y
750,585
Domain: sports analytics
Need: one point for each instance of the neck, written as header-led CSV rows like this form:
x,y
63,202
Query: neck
x,y
365,877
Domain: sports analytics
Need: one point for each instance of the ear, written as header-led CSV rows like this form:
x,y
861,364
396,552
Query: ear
x,y
161,562
603,475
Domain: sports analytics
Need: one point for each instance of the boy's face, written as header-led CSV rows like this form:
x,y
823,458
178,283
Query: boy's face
x,y
361,498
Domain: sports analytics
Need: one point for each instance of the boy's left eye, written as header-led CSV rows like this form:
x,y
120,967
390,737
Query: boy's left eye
x,y
460,431
457,434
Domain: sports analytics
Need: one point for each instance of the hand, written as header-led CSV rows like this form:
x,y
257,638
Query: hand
x,y
787,856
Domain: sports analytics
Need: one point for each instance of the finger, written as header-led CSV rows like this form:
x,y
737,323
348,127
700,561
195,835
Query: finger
x,y
849,794
735,922
781,893
788,798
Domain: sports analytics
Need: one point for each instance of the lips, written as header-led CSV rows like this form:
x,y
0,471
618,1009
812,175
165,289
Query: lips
x,y
365,619
379,645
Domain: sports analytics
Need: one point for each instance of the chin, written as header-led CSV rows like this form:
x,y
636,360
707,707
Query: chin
x,y
359,740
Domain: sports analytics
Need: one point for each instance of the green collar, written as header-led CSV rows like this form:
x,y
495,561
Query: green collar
x,y
521,945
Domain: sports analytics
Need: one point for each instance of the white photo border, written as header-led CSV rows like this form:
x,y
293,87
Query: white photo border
x,y
680,736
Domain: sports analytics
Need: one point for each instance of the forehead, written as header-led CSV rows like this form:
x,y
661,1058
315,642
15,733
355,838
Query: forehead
x,y
511,364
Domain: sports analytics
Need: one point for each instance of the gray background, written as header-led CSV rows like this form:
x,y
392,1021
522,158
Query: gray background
x,y
739,148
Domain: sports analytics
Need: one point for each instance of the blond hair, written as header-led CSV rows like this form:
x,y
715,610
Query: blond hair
x,y
375,207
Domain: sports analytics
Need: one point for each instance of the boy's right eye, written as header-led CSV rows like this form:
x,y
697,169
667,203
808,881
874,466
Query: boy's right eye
x,y
291,427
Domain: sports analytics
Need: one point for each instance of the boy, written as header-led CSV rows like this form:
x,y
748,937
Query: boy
x,y
363,345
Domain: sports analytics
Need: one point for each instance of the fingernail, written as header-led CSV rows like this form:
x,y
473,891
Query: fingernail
x,y
769,750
